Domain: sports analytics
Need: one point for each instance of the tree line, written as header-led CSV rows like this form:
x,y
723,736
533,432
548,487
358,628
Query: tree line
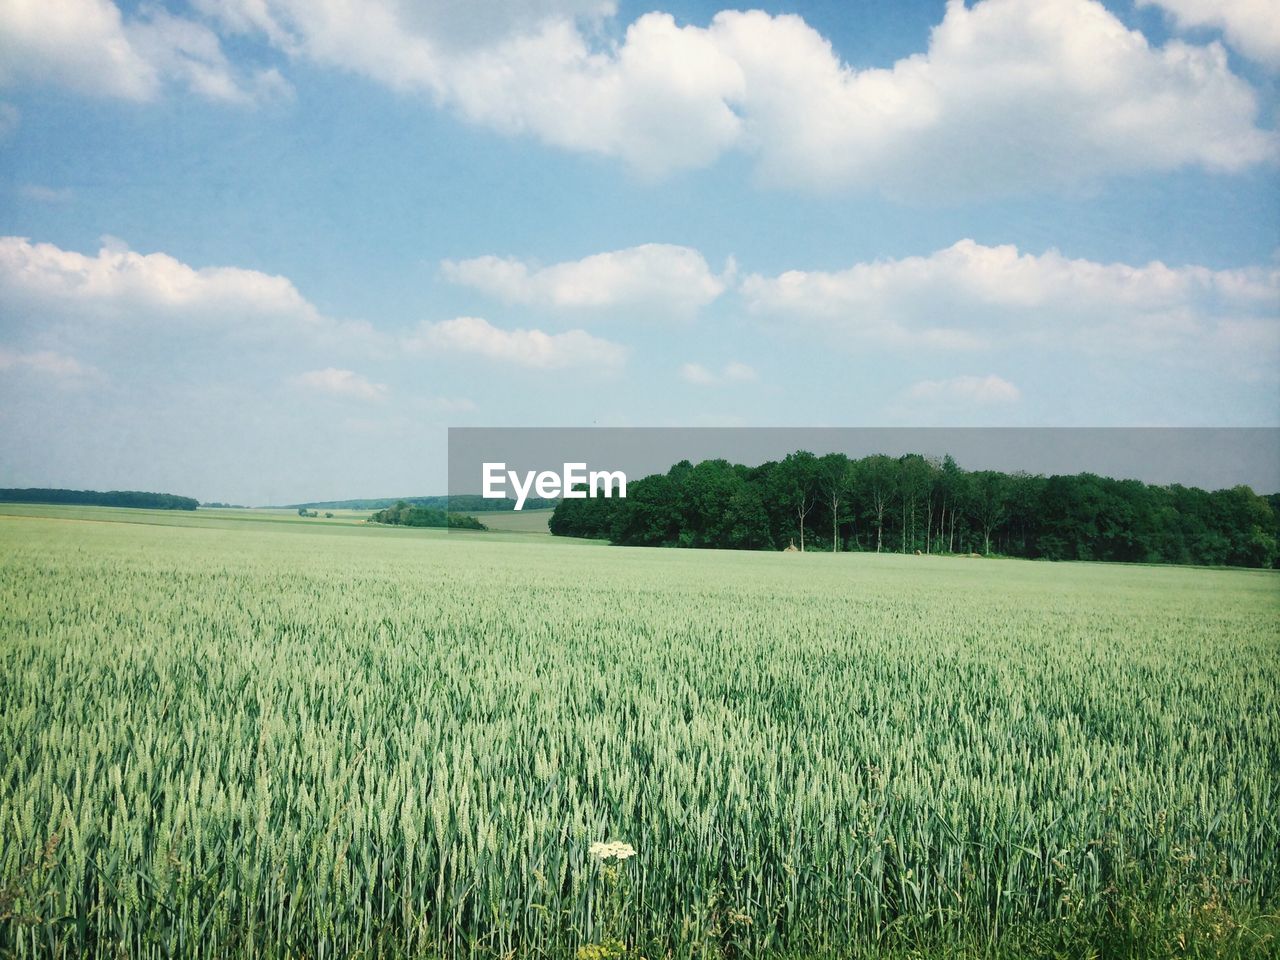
x,y
408,515
914,503
97,498
469,503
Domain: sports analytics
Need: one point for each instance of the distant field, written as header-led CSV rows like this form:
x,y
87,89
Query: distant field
x,y
524,521
204,517
517,521
231,736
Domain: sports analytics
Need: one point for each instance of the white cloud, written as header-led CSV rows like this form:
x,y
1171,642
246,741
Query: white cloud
x,y
660,277
967,390
340,383
89,47
40,283
527,348
1250,26
45,362
191,54
1010,95
79,44
731,372
979,297
659,101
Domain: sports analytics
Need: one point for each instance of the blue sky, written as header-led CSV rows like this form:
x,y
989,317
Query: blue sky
x,y
268,250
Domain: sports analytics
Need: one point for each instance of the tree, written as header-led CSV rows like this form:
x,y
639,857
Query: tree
x,y
588,517
650,515
878,484
989,503
746,522
951,485
706,493
834,480
795,486
915,478
1025,494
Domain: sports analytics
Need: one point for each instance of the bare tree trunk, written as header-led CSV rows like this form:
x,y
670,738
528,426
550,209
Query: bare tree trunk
x,y
802,511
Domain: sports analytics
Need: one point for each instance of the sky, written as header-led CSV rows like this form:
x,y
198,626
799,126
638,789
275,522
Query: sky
x,y
266,251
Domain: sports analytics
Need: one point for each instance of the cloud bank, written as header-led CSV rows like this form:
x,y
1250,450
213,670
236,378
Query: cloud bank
x,y
975,297
1008,96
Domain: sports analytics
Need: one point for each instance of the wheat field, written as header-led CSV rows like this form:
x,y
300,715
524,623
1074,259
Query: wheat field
x,y
273,740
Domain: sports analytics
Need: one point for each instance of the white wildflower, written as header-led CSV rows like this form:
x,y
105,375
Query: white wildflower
x,y
612,851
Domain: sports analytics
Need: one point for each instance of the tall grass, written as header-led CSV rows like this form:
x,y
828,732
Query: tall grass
x,y
249,743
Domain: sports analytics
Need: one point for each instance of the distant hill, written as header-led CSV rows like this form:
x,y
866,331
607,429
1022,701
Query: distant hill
x,y
97,498
463,503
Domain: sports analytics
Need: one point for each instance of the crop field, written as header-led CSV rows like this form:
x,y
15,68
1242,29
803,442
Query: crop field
x,y
521,521
226,738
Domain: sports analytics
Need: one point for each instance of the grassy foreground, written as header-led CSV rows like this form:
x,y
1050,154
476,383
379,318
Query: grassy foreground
x,y
225,738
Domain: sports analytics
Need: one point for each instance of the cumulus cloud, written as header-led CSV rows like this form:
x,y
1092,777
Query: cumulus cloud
x,y
660,277
40,282
1010,95
980,297
966,390
659,101
1250,26
731,372
534,349
79,44
88,46
340,383
45,362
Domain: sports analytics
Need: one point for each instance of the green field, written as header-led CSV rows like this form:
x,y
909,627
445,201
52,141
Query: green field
x,y
517,521
235,735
